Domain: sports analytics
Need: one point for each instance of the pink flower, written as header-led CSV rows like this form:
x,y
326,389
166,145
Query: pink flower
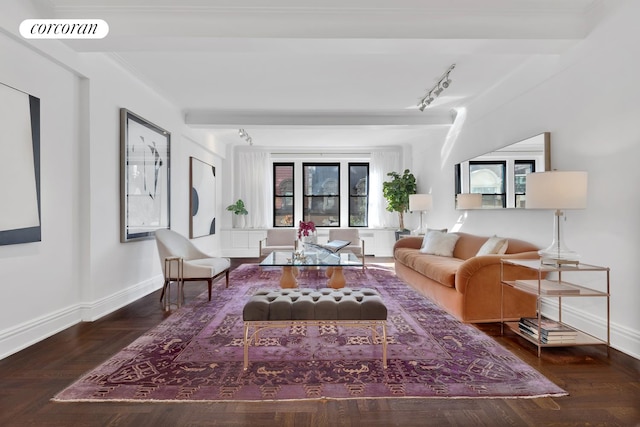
x,y
305,228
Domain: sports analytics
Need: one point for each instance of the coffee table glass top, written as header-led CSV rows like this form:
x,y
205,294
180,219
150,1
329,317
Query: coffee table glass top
x,y
311,259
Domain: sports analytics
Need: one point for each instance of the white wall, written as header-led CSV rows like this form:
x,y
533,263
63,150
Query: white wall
x,y
587,99
80,270
39,280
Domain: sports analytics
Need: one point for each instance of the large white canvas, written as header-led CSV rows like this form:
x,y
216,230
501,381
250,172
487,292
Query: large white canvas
x,y
18,192
203,198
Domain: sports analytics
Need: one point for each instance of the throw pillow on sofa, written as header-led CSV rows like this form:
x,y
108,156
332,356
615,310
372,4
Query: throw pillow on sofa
x,y
494,245
439,243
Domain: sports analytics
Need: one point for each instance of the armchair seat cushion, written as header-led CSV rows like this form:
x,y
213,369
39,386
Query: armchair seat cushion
x,y
205,267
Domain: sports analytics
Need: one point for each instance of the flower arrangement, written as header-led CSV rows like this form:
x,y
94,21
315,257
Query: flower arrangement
x,y
305,228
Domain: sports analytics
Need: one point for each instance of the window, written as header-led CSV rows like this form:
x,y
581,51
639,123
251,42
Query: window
x,y
521,169
283,195
487,178
358,194
321,194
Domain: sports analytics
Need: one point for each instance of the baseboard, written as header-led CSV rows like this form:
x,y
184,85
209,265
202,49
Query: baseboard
x,y
622,338
21,336
95,310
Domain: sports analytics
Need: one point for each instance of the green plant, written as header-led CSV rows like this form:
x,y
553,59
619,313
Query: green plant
x,y
397,193
238,208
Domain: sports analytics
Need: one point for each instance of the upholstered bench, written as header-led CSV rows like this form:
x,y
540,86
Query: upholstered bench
x,y
283,308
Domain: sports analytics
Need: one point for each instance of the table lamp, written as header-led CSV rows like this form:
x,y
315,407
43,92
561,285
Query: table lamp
x,y
558,190
469,201
421,203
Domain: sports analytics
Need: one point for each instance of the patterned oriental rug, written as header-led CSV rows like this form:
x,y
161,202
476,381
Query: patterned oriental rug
x,y
197,353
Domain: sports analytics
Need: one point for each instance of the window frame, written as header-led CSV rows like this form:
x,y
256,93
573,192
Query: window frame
x,y
357,197
308,216
516,194
490,199
277,195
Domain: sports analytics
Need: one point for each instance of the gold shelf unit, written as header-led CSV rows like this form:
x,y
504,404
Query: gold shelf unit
x,y
558,289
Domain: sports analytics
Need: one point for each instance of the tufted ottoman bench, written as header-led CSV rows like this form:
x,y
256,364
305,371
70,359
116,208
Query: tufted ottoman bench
x,y
283,308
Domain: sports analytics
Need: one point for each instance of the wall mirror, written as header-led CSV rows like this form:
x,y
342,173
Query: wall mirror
x,y
499,177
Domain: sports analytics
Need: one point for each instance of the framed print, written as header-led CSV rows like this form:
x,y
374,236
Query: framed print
x,y
202,202
20,220
145,197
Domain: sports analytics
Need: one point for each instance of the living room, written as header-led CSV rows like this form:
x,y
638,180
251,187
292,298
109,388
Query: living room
x,y
581,91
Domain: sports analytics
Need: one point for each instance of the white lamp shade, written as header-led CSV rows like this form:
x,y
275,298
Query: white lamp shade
x,y
556,190
420,202
469,201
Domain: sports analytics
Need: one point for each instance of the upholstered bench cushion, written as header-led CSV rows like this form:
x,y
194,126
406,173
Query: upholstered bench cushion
x,y
311,304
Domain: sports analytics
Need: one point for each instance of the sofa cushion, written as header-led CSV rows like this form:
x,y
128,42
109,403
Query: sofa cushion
x,y
439,243
493,245
438,268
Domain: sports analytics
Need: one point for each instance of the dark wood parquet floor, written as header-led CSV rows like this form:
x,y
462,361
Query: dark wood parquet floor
x,y
604,389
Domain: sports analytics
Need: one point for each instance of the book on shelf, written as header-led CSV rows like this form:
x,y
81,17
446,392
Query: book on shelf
x,y
547,327
548,287
551,339
332,246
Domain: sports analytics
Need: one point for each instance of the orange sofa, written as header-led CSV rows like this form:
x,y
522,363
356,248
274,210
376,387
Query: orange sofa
x,y
466,285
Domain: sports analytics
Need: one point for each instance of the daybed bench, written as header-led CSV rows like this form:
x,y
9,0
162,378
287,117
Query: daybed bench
x,y
465,284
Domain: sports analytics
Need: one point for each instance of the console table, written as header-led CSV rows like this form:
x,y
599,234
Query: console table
x,y
551,284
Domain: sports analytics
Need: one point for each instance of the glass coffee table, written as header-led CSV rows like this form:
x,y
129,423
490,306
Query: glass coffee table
x,y
291,261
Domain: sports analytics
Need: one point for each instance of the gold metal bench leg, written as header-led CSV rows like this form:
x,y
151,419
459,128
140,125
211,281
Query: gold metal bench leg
x,y
246,346
384,345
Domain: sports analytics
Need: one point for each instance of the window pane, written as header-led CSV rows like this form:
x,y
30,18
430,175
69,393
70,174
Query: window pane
x,y
321,188
283,191
521,169
488,179
358,194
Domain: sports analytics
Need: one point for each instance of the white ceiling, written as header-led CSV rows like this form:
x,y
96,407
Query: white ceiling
x,y
330,72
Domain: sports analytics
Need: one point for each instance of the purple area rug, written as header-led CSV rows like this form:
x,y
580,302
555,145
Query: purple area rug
x,y
197,353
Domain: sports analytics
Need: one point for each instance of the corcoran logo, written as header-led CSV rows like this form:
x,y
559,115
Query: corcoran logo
x,y
64,29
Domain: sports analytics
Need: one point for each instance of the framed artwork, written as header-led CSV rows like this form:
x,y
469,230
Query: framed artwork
x,y
202,199
20,220
145,167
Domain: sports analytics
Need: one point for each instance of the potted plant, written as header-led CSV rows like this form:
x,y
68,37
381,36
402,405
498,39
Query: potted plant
x,y
397,193
239,210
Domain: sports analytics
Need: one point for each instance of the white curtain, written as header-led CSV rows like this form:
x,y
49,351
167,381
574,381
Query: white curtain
x,y
254,179
382,162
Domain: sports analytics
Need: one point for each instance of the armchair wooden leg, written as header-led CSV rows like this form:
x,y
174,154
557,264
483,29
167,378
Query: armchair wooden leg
x,y
227,277
164,288
210,282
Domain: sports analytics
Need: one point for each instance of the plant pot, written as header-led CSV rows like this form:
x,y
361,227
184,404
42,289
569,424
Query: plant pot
x,y
240,221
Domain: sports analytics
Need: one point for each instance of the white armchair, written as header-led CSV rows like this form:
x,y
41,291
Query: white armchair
x,y
197,266
278,239
350,235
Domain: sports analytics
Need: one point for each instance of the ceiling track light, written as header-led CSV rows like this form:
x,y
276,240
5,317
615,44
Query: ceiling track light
x,y
443,83
244,135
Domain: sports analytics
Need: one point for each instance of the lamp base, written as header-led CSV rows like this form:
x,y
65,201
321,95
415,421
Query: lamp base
x,y
557,254
546,259
420,230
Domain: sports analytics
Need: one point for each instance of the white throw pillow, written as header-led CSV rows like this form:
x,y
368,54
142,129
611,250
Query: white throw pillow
x,y
494,245
439,243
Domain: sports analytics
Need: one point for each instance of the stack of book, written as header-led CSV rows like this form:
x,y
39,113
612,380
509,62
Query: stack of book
x,y
550,331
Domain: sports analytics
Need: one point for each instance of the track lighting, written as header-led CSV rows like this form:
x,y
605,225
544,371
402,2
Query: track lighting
x,y
443,83
243,134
